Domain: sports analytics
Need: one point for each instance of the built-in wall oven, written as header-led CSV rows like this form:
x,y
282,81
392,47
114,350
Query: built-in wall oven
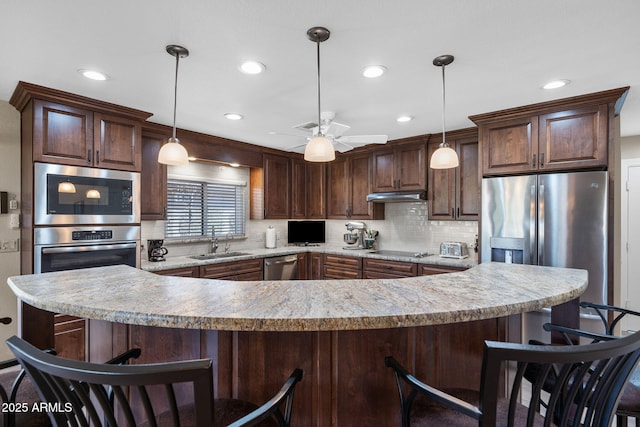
x,y
73,195
70,248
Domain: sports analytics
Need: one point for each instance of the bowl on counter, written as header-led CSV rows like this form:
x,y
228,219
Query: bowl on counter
x,y
350,238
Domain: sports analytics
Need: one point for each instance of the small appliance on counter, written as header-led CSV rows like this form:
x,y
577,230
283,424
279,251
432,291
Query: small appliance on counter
x,y
355,236
155,250
306,233
457,250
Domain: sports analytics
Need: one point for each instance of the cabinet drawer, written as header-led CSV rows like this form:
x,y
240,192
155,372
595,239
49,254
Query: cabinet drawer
x,y
394,268
428,270
216,271
343,261
382,275
181,272
245,277
332,272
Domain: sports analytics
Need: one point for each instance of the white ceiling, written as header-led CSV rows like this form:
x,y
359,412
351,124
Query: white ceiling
x,y
505,50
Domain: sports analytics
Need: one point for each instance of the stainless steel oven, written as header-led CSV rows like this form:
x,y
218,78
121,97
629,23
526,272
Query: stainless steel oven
x,y
70,248
72,195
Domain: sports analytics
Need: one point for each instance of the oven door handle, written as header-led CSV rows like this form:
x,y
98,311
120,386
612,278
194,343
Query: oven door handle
x,y
63,249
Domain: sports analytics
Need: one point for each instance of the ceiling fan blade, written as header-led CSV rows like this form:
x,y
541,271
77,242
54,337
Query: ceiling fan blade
x,y
336,129
364,139
341,146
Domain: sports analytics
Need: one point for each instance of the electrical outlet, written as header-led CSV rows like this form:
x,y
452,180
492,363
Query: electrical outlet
x,y
9,245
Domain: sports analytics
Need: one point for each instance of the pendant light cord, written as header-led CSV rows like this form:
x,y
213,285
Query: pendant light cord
x,y
318,58
444,141
175,95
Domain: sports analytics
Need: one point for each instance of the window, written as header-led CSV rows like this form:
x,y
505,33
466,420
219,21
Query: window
x,y
193,207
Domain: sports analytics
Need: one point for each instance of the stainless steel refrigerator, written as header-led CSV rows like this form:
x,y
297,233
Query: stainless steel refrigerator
x,y
557,220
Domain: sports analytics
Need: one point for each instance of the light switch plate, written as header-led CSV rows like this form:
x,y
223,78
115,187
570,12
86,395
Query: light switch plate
x,y
14,221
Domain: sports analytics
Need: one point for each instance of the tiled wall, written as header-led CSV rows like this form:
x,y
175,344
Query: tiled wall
x,y
406,227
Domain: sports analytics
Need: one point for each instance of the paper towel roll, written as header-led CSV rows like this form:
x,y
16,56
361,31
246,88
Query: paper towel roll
x,y
270,241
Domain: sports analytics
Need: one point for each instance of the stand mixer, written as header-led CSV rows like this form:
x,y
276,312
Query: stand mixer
x,y
357,237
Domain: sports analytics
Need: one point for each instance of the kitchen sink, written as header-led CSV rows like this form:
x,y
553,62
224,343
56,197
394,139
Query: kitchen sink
x,y
216,256
407,254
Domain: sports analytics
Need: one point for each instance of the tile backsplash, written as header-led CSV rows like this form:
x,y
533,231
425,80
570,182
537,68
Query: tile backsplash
x,y
406,227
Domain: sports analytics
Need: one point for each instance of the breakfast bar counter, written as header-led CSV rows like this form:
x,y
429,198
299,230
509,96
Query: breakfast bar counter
x,y
337,331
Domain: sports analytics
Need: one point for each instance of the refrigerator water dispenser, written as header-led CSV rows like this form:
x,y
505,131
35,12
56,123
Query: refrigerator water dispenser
x,y
507,249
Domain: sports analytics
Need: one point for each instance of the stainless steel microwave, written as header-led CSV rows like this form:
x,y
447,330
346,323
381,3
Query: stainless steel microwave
x,y
71,195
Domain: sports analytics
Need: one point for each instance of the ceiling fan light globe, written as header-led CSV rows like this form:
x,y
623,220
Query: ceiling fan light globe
x,y
319,149
444,158
173,153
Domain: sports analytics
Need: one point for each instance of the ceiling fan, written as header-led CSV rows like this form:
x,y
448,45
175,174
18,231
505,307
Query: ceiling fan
x,y
334,131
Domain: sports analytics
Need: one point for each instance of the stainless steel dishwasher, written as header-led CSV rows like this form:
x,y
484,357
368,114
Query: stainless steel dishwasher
x,y
281,267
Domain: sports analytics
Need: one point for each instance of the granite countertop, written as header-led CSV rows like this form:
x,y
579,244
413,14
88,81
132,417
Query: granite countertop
x,y
128,295
185,261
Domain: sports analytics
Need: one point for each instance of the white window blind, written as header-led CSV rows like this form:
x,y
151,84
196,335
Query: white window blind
x,y
193,207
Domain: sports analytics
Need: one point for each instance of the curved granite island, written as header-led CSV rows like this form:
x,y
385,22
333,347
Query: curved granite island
x,y
338,332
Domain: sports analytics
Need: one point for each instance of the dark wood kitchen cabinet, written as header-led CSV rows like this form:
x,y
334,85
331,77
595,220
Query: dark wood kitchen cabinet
x,y
153,178
349,181
180,272
384,269
251,269
342,267
402,167
303,266
454,194
271,188
308,190
61,127
566,134
69,336
429,270
316,266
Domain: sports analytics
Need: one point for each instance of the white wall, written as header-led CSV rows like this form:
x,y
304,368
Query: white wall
x,y
10,182
630,147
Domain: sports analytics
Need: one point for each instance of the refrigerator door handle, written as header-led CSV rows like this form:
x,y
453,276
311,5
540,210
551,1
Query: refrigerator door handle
x,y
541,224
532,227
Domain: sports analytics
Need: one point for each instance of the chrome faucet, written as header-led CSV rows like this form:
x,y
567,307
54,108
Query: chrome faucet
x,y
214,240
227,244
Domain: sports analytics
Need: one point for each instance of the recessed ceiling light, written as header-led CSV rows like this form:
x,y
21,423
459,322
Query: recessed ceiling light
x,y
373,71
252,67
555,84
234,116
234,165
404,119
93,75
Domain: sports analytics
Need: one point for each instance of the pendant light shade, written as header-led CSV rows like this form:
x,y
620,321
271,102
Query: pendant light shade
x,y
319,148
444,157
172,152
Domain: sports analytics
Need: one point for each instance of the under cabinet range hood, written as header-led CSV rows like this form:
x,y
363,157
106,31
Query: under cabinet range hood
x,y
398,196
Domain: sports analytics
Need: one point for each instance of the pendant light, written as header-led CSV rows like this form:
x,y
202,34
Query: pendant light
x,y
444,157
319,148
172,152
